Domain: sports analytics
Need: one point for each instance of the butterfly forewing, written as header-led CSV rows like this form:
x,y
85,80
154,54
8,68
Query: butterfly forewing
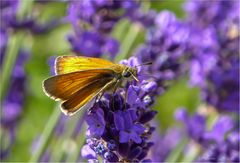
x,y
61,87
67,64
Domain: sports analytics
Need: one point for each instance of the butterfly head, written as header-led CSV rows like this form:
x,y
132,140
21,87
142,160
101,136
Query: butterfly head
x,y
129,72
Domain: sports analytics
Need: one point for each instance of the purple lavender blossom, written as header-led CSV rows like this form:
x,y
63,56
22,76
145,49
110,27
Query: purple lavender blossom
x,y
164,47
100,16
9,19
224,93
92,22
164,143
212,12
87,152
119,129
213,61
3,44
93,44
220,128
128,131
8,12
12,104
227,151
7,15
96,122
220,143
197,130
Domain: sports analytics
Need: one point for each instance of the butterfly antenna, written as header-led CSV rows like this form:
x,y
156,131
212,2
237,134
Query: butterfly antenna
x,y
144,64
148,75
134,77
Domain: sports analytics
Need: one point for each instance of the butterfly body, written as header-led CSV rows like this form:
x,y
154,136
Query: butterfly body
x,y
80,79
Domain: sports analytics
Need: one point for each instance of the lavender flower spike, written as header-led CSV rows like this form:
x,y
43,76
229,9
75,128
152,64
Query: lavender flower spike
x,y
119,128
128,130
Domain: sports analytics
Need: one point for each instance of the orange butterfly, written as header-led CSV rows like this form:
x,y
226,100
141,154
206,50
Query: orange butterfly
x,y
80,79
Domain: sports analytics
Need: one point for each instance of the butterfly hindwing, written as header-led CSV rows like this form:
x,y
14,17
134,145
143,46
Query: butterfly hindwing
x,y
86,94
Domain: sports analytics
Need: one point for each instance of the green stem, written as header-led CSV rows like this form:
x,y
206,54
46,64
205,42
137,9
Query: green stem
x,y
14,45
120,28
66,137
175,154
128,41
192,152
25,8
46,135
80,142
9,61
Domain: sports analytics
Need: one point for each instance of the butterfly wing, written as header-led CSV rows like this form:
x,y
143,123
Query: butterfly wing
x,y
61,87
71,63
77,88
85,94
79,79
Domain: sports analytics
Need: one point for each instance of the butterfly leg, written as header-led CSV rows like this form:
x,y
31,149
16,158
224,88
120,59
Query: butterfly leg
x,y
98,98
125,98
114,91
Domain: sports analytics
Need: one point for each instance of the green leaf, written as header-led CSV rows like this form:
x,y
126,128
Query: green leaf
x,y
128,42
46,134
9,61
174,6
178,95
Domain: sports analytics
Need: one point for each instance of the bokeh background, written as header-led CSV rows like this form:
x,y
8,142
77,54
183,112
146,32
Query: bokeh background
x,y
194,46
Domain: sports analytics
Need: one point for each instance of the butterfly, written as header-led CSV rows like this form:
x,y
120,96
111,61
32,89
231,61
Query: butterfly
x,y
80,79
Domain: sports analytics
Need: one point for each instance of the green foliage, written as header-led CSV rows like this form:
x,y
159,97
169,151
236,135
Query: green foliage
x,y
175,6
179,95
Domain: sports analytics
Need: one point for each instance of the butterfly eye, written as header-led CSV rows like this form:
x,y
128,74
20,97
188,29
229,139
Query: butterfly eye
x,y
126,74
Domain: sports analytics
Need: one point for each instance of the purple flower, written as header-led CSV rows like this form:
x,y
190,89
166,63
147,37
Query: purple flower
x,y
88,43
225,80
164,46
128,130
217,143
164,19
226,151
213,61
3,44
204,56
8,12
164,143
119,129
195,125
12,104
87,152
96,122
211,12
9,19
94,20
92,44
111,47
100,15
219,130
